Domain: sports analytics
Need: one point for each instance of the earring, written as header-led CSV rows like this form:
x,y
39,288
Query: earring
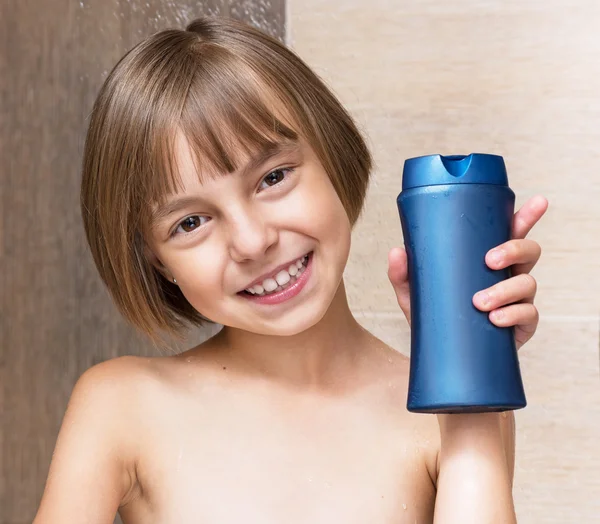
x,y
174,281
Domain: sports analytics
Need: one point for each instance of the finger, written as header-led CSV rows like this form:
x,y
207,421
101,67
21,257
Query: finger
x,y
525,318
521,288
398,275
397,265
522,254
528,216
515,315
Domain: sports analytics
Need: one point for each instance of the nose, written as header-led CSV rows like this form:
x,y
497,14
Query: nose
x,y
251,234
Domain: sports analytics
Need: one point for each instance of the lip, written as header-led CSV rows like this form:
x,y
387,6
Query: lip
x,y
270,274
286,293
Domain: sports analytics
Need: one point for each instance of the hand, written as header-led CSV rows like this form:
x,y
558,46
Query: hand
x,y
510,302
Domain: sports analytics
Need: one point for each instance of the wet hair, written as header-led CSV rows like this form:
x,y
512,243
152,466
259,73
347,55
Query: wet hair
x,y
227,87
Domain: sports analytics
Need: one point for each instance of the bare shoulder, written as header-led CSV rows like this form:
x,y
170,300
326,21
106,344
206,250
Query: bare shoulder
x,y
93,464
119,371
112,385
124,389
121,378
107,399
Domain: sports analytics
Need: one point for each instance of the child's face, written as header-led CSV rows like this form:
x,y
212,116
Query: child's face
x,y
233,229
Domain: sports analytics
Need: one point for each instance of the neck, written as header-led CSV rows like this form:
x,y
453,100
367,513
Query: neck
x,y
312,358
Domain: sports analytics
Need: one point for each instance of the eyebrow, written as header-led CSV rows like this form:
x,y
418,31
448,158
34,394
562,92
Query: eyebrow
x,y
269,152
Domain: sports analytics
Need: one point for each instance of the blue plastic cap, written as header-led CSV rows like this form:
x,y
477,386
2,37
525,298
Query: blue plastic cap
x,y
435,170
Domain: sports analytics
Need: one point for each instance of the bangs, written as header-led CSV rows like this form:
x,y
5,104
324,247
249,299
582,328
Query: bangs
x,y
228,115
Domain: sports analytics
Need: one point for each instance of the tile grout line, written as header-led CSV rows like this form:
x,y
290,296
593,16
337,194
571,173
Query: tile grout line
x,y
556,318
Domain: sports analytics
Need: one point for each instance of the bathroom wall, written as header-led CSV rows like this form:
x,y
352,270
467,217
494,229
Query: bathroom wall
x,y
516,78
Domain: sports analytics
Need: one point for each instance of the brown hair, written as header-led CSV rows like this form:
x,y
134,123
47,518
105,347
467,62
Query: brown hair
x,y
216,80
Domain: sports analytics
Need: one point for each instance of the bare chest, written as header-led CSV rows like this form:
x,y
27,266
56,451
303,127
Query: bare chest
x,y
256,466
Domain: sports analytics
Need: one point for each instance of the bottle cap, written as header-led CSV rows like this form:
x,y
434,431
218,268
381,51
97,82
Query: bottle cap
x,y
435,170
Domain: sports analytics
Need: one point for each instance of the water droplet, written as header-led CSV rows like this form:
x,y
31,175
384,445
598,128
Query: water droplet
x,y
462,215
404,506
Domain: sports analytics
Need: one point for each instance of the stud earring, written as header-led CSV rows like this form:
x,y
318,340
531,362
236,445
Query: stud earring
x,y
174,281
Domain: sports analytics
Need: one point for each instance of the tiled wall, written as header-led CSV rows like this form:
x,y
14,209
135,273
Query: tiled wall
x,y
520,79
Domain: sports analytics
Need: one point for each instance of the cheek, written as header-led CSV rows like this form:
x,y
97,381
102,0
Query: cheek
x,y
325,215
198,273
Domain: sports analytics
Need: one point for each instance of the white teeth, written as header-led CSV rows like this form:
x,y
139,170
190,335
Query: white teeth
x,y
281,280
283,277
270,284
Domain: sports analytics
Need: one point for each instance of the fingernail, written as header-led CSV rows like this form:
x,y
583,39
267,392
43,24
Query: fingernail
x,y
498,314
483,297
496,256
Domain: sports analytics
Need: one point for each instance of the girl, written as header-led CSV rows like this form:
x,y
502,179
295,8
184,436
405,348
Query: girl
x,y
221,182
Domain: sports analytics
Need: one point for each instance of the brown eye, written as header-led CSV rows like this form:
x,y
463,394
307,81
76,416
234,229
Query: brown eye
x,y
275,177
190,223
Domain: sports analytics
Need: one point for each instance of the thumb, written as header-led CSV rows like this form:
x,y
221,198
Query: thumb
x,y
398,275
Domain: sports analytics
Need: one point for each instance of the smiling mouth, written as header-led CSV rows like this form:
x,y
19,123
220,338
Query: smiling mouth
x,y
280,281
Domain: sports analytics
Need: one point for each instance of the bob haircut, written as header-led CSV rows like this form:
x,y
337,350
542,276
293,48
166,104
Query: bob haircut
x,y
219,83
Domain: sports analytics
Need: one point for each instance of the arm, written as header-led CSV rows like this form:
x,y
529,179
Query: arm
x,y
476,461
89,473
476,464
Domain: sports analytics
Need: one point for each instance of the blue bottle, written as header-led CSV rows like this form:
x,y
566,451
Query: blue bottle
x,y
453,210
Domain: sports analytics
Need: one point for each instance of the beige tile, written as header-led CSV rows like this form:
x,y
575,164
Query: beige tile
x,y
387,51
557,477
